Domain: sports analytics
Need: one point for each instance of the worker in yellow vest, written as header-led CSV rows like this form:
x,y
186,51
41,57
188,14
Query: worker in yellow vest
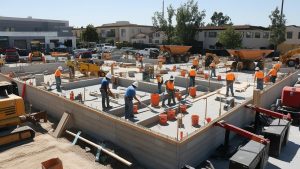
x,y
273,75
57,75
259,78
212,67
192,75
230,78
170,89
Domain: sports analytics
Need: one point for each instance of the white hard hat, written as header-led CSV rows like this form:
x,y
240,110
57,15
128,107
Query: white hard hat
x,y
171,78
257,68
135,84
108,76
60,68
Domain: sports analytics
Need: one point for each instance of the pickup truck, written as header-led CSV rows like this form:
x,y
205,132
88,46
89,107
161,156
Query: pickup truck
x,y
151,53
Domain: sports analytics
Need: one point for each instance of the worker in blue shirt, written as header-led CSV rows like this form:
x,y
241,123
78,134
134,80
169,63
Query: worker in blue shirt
x,y
106,92
130,94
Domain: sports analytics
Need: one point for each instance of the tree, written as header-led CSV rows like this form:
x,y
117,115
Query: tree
x,y
277,28
189,19
163,24
219,19
90,34
230,39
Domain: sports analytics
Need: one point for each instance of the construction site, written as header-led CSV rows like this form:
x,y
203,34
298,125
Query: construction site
x,y
76,129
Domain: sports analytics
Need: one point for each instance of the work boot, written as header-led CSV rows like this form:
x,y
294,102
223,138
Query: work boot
x,y
109,107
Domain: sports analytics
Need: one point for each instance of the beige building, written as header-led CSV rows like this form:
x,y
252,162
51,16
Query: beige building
x,y
254,37
292,35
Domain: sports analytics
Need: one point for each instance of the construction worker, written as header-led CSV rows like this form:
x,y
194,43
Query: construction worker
x,y
141,58
273,74
192,75
57,75
196,63
277,66
130,94
212,67
160,82
105,91
170,89
230,78
259,78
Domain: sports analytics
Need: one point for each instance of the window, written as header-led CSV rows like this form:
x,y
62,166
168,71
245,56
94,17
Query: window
x,y
212,34
289,35
157,34
242,34
156,41
299,35
150,40
257,35
205,34
266,35
123,32
248,34
141,41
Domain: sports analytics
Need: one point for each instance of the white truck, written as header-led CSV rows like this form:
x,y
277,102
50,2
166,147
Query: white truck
x,y
151,53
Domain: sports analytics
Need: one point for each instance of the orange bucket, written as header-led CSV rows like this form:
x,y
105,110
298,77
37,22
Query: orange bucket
x,y
135,109
54,163
183,72
154,99
219,78
208,119
171,114
206,76
163,118
183,108
195,120
192,91
178,96
267,79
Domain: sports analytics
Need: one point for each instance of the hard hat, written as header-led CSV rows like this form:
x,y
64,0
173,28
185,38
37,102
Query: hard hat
x,y
135,84
171,78
60,68
257,69
108,76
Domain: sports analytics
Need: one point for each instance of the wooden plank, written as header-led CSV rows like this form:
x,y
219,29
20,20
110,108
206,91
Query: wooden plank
x,y
62,125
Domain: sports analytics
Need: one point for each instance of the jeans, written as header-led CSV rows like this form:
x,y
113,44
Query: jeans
x,y
273,79
58,83
192,81
260,84
170,95
159,86
128,107
213,72
105,97
229,87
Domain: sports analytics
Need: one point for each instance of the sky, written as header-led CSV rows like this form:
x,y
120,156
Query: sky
x,y
97,12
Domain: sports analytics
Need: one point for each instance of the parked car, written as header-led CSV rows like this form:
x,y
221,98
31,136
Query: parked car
x,y
11,55
84,55
151,53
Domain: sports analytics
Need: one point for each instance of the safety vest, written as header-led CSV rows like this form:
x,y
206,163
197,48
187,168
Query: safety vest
x,y
273,72
259,75
230,76
170,85
57,73
193,72
277,66
195,62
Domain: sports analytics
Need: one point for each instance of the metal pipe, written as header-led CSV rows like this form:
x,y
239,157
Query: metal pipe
x,y
102,149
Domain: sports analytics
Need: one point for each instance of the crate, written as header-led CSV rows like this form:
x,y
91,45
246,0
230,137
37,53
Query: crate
x,y
54,163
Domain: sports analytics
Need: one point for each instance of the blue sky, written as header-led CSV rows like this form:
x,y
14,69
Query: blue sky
x,y
97,12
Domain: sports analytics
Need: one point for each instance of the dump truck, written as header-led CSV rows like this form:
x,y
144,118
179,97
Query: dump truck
x,y
210,57
245,59
291,58
175,53
12,114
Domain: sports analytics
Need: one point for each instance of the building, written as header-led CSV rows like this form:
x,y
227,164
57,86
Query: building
x,y
292,34
254,37
20,32
155,37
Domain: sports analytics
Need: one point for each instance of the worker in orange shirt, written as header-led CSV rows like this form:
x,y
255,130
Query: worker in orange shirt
x,y
273,75
259,78
230,78
277,66
192,75
212,67
170,89
57,75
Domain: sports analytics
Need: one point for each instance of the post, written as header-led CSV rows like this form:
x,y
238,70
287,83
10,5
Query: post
x,y
257,97
205,108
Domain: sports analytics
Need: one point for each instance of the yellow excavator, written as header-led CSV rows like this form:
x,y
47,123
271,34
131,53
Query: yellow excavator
x,y
291,58
12,114
85,67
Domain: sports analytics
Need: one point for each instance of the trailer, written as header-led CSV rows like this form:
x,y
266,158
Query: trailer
x,y
175,53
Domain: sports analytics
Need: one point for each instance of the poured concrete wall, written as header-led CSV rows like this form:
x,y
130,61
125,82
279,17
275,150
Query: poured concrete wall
x,y
82,83
202,84
33,68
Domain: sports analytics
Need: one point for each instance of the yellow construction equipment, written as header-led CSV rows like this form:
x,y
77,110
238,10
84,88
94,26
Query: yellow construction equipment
x,y
86,68
291,58
12,114
175,53
36,54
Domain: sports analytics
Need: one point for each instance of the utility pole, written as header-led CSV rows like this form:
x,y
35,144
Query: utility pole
x,y
281,15
163,9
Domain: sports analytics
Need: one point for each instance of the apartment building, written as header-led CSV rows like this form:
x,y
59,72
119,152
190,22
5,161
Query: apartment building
x,y
253,37
20,32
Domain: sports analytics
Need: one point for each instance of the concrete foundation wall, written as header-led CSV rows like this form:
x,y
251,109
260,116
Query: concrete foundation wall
x,y
33,68
82,83
202,84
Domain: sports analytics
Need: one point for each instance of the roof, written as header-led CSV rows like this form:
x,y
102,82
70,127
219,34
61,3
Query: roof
x,y
121,24
236,27
33,19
